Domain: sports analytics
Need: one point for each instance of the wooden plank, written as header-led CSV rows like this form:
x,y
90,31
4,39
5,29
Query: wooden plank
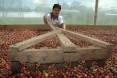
x,y
32,41
66,44
58,56
94,41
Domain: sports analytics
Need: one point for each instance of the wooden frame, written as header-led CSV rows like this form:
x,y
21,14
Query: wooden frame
x,y
45,27
68,52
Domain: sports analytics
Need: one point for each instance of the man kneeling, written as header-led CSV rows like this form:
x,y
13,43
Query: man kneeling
x,y
54,17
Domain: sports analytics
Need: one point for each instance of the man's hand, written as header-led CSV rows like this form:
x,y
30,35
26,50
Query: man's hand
x,y
63,26
46,19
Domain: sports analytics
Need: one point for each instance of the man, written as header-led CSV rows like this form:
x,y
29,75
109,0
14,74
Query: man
x,y
54,17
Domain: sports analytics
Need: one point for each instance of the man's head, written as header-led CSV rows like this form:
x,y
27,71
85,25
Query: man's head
x,y
56,9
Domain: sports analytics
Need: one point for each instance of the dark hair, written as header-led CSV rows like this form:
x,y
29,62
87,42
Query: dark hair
x,y
57,6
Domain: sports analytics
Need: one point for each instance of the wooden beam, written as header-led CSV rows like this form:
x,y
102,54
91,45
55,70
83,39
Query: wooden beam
x,y
51,26
58,56
32,41
66,44
94,41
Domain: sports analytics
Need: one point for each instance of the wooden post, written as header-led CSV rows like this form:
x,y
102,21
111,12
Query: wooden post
x,y
3,10
96,12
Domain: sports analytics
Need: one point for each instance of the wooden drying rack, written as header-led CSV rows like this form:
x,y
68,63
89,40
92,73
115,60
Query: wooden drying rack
x,y
68,52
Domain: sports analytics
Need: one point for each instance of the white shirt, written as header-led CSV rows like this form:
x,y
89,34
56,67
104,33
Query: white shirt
x,y
58,21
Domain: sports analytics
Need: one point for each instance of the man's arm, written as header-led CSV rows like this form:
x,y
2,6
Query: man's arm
x,y
62,22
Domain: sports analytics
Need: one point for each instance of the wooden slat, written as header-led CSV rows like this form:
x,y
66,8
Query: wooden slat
x,y
89,39
58,56
66,44
32,41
